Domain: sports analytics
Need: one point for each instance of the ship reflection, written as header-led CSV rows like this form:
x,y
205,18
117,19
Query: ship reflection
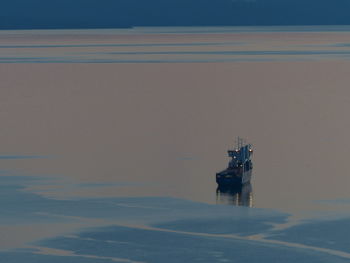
x,y
238,196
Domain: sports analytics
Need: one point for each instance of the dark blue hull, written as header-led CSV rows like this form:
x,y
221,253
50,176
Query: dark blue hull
x,y
233,178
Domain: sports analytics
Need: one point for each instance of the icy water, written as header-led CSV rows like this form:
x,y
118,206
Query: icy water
x,y
110,141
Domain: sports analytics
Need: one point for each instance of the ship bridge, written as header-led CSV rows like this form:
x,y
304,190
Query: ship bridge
x,y
241,154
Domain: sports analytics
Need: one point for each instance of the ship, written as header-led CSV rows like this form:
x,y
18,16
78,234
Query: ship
x,y
239,170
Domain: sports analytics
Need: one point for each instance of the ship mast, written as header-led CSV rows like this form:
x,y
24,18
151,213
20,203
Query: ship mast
x,y
239,142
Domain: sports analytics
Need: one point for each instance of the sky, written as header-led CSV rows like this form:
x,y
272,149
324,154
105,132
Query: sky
x,y
33,14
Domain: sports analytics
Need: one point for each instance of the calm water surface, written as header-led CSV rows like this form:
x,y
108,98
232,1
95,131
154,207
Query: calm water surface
x,y
150,112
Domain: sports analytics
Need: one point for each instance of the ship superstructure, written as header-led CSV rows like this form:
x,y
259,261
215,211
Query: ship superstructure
x,y
239,170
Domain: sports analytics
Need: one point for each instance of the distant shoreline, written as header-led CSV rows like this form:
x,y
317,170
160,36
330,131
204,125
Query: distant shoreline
x,y
177,26
204,29
62,28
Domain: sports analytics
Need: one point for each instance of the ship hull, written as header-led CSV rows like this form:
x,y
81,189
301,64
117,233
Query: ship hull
x,y
233,178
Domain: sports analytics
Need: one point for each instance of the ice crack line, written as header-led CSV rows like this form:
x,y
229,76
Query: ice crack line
x,y
256,238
